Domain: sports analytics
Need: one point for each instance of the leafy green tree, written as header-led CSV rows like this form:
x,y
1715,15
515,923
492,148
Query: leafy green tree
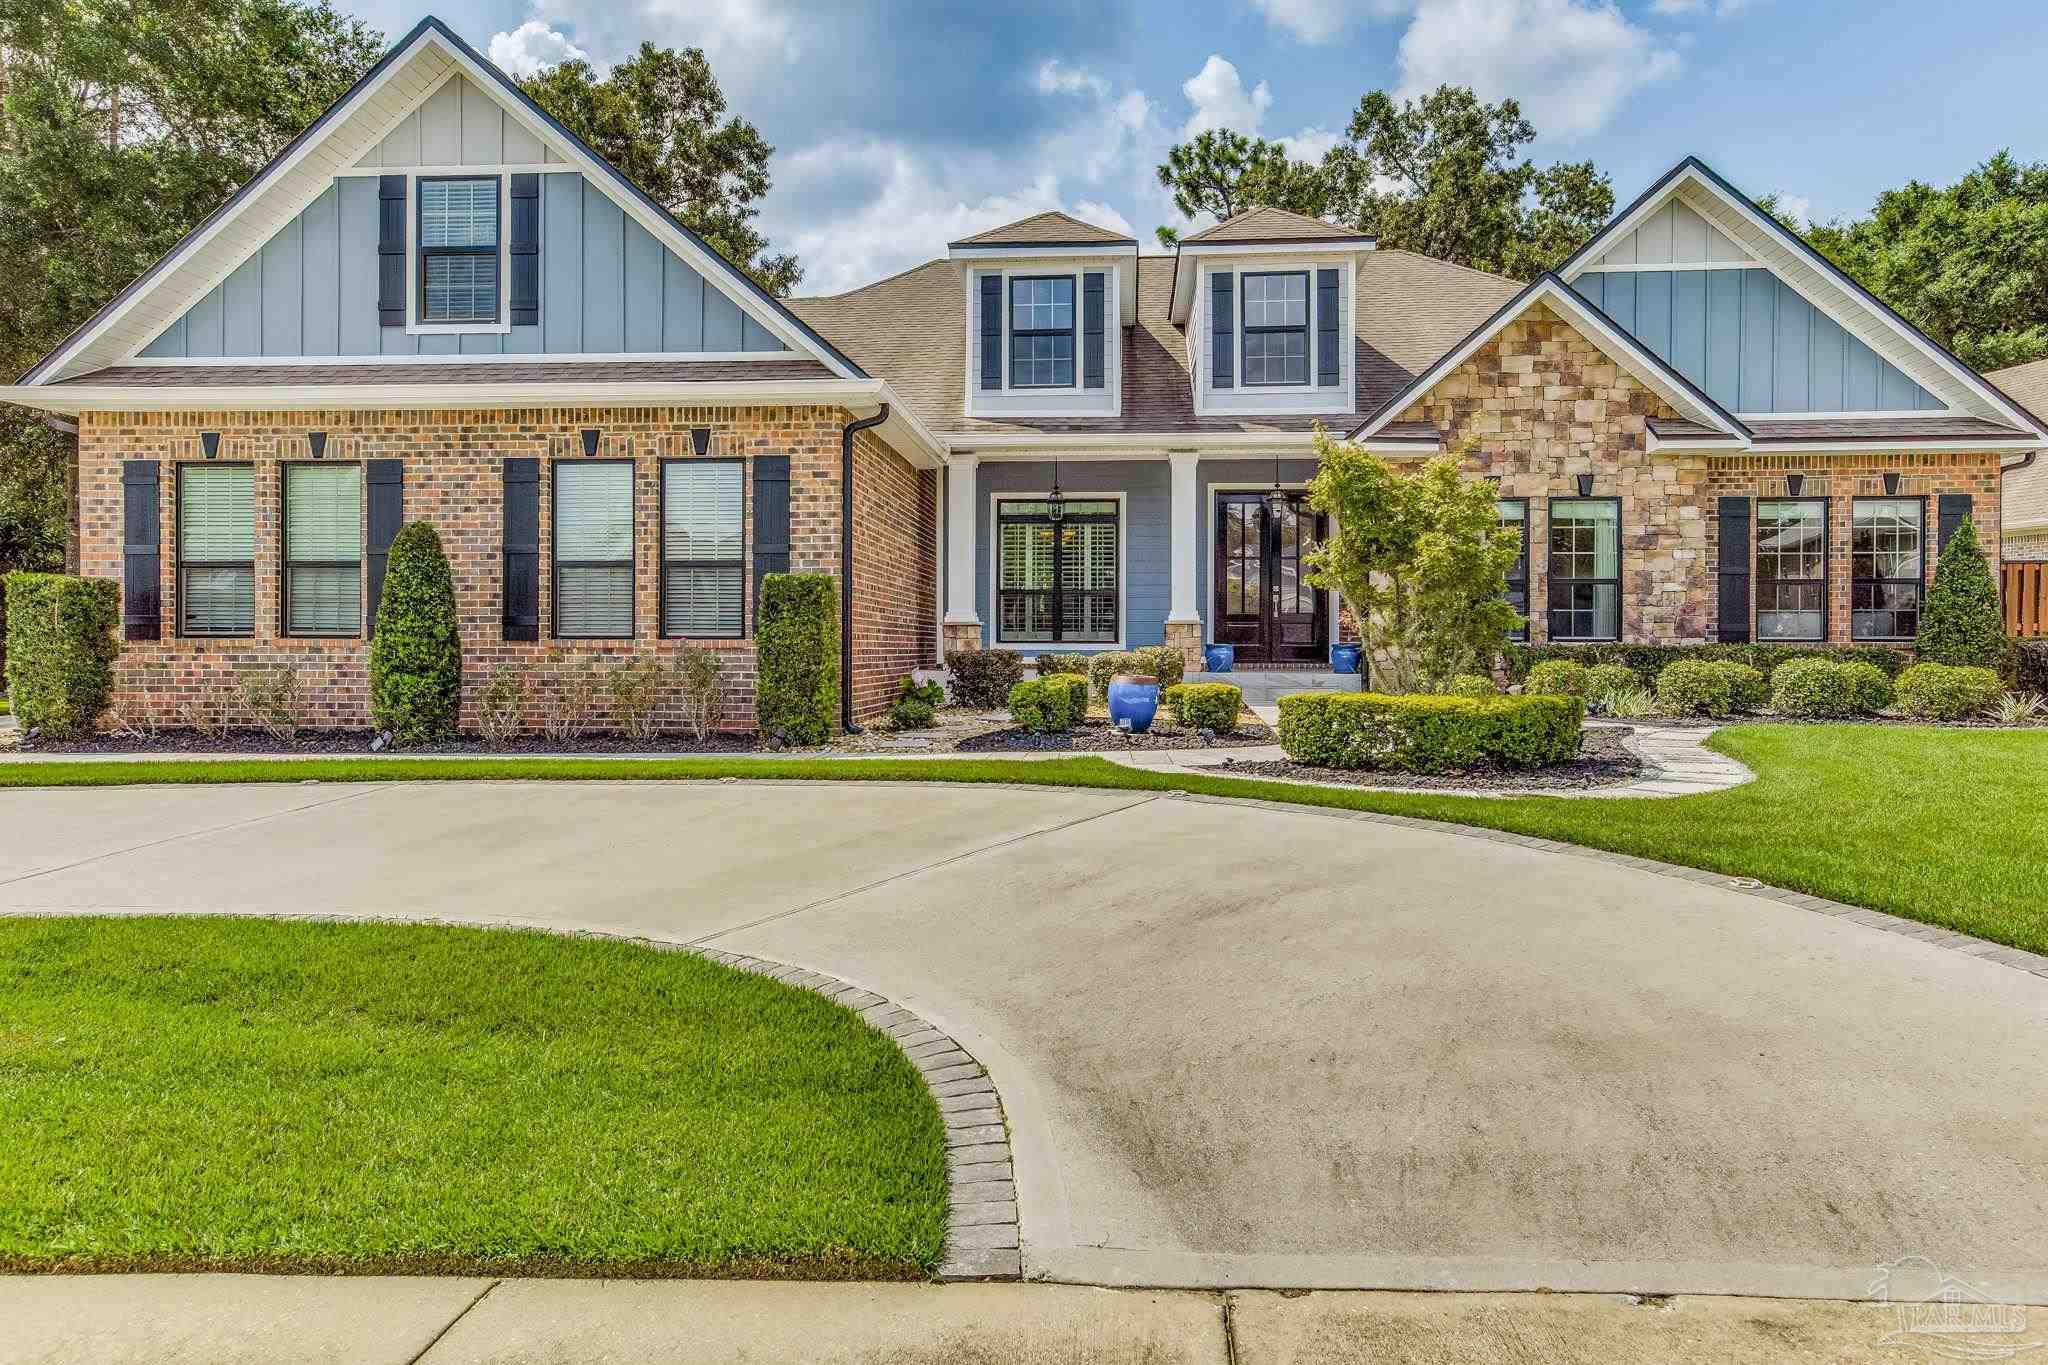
x,y
1445,176
416,650
124,123
659,116
1966,263
1961,623
1222,173
1422,560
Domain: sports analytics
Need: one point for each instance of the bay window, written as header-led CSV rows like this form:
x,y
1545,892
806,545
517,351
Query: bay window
x,y
1585,569
703,548
594,549
216,549
1792,569
1057,577
1888,567
323,549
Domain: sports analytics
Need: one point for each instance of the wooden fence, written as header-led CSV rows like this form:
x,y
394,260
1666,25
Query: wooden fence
x,y
2026,598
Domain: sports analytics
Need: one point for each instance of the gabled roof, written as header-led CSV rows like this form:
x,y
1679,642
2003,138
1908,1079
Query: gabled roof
x,y
1051,228
1818,280
2025,507
1548,289
401,78
1268,224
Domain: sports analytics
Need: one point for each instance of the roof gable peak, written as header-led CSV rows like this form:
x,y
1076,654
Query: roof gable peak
x,y
1051,227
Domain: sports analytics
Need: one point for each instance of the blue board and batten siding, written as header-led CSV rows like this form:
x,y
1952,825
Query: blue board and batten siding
x,y
1147,486
1751,342
607,287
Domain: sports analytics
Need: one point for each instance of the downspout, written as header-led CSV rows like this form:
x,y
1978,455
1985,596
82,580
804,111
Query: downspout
x,y
852,430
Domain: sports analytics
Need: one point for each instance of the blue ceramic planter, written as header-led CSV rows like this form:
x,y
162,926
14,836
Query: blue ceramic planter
x,y
1135,700
1344,658
1219,658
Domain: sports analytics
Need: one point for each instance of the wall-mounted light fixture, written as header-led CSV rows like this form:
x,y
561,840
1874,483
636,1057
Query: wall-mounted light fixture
x,y
1585,485
1891,485
1795,484
700,440
316,441
209,441
590,440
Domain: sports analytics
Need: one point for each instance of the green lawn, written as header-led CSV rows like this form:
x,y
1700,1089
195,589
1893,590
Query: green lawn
x,y
1943,825
195,1093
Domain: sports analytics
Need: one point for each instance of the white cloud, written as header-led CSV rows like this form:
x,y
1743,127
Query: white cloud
x,y
530,47
1217,92
1797,207
1324,21
1720,9
1056,78
1570,63
741,30
1310,144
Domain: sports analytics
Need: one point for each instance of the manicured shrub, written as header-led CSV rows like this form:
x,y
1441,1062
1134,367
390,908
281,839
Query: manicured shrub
x,y
1425,732
1647,661
416,652
1557,678
1961,623
1471,685
1748,690
1605,681
1694,687
1205,706
797,648
1163,662
1870,688
1043,705
982,678
1049,664
1947,692
1077,694
916,705
1814,689
61,649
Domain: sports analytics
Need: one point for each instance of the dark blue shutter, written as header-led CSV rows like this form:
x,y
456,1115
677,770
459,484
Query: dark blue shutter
x,y
142,607
1222,330
524,250
1326,327
384,481
1950,511
1092,375
1734,608
522,549
391,251
771,520
991,331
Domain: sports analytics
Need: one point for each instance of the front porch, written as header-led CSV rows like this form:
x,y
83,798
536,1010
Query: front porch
x,y
1141,549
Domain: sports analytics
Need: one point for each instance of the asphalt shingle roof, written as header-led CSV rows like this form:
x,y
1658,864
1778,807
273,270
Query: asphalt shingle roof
x,y
2026,492
1268,224
1051,228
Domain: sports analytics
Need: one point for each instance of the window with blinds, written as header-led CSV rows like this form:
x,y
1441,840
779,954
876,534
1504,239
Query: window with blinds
x,y
1057,580
594,549
216,549
459,250
323,549
703,548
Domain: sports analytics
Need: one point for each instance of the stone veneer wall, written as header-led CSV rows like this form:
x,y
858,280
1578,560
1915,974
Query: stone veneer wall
x,y
1541,404
453,477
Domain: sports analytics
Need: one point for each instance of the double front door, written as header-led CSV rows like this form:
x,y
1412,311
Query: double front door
x,y
1264,603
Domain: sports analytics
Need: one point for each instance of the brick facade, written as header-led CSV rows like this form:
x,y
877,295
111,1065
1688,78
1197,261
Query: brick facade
x,y
1541,404
453,479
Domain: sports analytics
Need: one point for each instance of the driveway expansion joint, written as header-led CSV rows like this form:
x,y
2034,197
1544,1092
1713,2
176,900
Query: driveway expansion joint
x,y
981,1197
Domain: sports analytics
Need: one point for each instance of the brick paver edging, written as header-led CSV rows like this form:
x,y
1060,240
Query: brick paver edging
x,y
981,1189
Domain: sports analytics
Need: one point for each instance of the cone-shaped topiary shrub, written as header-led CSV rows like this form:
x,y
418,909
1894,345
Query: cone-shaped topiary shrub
x,y
797,642
1961,624
416,652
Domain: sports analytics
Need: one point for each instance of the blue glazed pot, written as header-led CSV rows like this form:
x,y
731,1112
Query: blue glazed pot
x,y
1344,658
1219,658
1134,699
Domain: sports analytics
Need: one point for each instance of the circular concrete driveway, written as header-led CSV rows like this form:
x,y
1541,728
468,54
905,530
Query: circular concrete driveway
x,y
1241,1045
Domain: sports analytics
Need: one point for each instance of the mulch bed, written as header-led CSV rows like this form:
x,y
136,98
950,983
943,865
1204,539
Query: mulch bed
x,y
357,742
1602,762
1099,736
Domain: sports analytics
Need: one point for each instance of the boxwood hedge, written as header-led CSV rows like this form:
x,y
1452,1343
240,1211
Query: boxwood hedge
x,y
1428,732
797,648
61,649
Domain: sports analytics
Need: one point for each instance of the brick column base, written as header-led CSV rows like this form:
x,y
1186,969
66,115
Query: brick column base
x,y
962,637
1187,637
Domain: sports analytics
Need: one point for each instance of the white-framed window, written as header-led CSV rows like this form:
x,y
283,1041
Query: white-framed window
x,y
460,248
1274,332
1042,329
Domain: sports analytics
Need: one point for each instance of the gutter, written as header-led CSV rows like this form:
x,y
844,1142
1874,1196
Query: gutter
x,y
846,436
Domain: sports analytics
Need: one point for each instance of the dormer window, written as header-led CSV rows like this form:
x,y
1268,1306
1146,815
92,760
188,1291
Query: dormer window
x,y
1042,332
1276,327
459,249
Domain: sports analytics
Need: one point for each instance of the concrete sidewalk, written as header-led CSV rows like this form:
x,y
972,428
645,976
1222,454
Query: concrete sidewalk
x,y
291,1320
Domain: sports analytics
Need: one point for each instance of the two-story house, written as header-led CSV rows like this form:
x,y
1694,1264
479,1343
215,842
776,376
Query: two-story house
x,y
438,304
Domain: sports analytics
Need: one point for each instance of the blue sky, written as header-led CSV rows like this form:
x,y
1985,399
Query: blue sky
x,y
900,125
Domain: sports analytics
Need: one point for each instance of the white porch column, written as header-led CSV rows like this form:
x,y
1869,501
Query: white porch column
x,y
1185,533
960,533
